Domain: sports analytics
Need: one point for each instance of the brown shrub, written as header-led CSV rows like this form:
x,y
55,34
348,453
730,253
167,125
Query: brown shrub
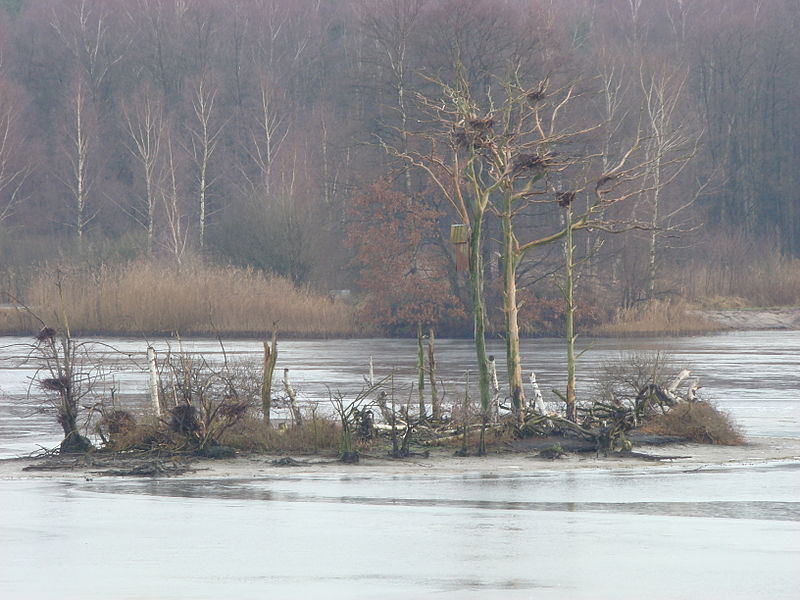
x,y
541,316
700,422
132,436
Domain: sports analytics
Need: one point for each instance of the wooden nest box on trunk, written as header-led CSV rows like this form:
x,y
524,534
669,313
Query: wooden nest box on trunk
x,y
459,237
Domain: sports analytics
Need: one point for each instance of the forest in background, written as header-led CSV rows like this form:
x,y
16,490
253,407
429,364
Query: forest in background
x,y
275,135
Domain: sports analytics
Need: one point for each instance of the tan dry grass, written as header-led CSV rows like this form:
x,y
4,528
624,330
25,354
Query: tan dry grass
x,y
658,317
700,422
316,435
146,297
15,320
762,278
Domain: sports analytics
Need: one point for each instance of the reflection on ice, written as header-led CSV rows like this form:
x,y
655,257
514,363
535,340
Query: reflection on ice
x,y
770,492
732,533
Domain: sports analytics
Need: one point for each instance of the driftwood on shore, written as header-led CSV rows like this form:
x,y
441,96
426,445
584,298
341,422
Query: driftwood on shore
x,y
112,464
600,426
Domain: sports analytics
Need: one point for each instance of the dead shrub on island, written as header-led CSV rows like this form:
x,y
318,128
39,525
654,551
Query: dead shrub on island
x,y
700,422
203,401
651,385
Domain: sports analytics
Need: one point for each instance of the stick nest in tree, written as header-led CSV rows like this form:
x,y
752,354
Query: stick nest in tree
x,y
481,124
46,334
465,140
527,162
184,419
55,384
535,96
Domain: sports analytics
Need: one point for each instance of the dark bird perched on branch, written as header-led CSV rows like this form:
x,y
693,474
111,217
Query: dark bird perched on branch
x,y
481,124
604,179
565,198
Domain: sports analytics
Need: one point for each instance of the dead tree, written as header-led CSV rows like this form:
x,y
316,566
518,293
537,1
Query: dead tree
x,y
65,381
270,358
349,413
291,395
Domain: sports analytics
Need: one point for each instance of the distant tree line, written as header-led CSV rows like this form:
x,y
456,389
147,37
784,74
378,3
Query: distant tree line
x,y
276,133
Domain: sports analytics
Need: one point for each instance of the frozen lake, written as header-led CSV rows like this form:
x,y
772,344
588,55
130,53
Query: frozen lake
x,y
731,533
665,532
755,376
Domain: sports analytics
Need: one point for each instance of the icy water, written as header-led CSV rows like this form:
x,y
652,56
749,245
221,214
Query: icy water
x,y
669,532
755,376
731,534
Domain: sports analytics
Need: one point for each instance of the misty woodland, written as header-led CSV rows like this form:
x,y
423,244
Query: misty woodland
x,y
525,166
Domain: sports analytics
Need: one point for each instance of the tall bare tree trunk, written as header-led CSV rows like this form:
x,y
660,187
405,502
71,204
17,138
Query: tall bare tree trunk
x,y
270,358
511,313
145,126
204,139
479,323
569,301
436,410
420,373
79,145
152,367
297,415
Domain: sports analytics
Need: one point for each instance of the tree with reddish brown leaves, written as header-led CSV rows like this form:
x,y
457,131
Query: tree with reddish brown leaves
x,y
402,273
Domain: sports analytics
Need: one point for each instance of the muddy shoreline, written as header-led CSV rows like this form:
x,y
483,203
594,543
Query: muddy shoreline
x,y
756,452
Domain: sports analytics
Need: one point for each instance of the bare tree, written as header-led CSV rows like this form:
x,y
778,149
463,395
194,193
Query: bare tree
x,y
526,144
176,230
145,124
450,155
79,150
204,137
272,125
669,148
84,30
388,27
160,24
14,168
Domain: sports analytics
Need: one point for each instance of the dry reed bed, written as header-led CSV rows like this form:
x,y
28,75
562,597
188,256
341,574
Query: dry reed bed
x,y
149,297
659,317
769,280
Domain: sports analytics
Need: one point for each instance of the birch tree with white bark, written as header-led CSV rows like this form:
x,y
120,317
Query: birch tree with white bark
x,y
669,147
205,128
144,119
78,150
14,166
